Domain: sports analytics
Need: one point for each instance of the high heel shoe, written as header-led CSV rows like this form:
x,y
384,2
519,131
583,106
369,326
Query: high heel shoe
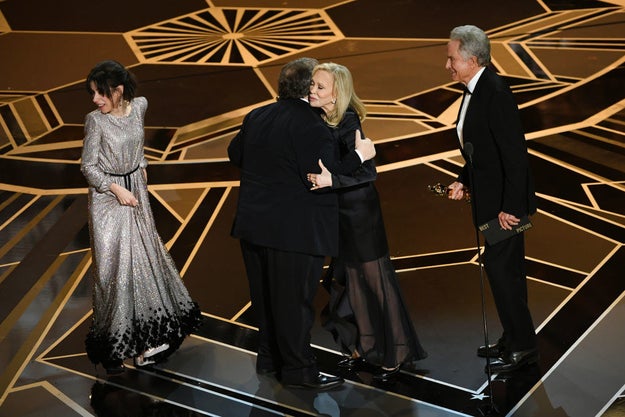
x,y
386,374
142,361
154,351
350,362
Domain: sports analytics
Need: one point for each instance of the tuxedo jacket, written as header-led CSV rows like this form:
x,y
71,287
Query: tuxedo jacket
x,y
501,179
277,146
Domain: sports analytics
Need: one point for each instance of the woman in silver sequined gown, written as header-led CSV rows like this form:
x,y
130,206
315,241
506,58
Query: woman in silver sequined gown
x,y
139,299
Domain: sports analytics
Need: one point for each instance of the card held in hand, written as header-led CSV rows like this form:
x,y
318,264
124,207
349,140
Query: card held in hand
x,y
493,233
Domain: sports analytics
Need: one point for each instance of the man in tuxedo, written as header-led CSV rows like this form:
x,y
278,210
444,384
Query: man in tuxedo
x,y
285,229
492,140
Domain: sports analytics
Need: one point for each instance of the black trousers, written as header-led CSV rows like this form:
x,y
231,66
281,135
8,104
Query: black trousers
x,y
282,289
504,263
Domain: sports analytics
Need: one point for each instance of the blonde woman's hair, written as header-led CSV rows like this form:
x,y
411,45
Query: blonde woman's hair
x,y
344,90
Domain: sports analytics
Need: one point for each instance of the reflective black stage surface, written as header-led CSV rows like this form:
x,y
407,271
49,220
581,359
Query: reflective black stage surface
x,y
203,65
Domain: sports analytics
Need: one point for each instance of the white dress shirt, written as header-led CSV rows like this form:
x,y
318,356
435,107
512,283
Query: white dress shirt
x,y
465,104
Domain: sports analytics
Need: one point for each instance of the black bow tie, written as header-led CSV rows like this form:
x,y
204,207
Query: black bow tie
x,y
466,90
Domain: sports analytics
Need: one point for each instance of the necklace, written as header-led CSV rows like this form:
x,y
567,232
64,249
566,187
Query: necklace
x,y
123,110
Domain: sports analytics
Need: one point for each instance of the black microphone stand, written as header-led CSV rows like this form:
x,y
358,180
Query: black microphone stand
x,y
491,410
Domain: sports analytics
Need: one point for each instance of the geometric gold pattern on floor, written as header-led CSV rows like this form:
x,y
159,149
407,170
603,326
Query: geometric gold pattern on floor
x,y
232,36
203,64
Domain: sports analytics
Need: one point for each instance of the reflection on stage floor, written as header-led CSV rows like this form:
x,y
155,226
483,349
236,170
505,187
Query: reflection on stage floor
x,y
203,65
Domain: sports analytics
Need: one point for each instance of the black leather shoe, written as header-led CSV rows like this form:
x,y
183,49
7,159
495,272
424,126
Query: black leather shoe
x,y
385,375
320,383
266,371
350,362
495,350
513,361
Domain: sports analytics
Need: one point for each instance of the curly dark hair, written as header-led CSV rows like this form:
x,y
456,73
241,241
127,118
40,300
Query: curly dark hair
x,y
107,75
295,77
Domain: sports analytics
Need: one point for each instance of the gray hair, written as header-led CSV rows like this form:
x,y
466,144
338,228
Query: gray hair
x,y
473,42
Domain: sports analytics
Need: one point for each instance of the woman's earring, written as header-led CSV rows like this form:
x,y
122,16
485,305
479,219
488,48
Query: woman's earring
x,y
333,101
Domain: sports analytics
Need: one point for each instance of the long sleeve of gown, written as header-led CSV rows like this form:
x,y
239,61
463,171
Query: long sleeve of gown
x,y
363,174
345,138
89,165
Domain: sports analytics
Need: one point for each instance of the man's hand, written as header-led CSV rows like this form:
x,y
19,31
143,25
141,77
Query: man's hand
x,y
506,221
364,146
456,190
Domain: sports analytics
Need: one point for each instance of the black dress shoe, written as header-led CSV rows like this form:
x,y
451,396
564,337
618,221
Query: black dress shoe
x,y
350,362
320,383
385,375
495,350
513,361
266,371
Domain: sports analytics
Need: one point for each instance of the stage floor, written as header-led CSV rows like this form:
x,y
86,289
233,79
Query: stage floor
x,y
203,65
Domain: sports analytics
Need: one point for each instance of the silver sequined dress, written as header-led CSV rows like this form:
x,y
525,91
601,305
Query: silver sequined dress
x,y
139,299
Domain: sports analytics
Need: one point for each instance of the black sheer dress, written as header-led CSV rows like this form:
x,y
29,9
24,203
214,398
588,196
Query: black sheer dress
x,y
366,312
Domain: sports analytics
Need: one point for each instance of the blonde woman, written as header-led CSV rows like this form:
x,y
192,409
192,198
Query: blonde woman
x,y
366,314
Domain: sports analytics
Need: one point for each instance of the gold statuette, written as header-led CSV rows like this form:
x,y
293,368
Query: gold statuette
x,y
443,191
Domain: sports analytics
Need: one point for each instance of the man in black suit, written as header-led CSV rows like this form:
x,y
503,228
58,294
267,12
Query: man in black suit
x,y
498,175
285,229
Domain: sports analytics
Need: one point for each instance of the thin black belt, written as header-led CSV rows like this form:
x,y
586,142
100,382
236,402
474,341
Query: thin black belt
x,y
126,177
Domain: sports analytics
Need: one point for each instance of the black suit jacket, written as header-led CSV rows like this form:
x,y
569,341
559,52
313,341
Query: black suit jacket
x,y
277,146
501,174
